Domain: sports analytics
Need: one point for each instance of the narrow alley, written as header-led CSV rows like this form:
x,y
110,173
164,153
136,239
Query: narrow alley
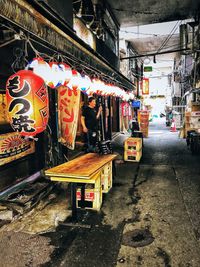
x,y
99,133
168,187
150,217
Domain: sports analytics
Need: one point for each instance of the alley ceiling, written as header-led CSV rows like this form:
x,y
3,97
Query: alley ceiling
x,y
131,13
140,12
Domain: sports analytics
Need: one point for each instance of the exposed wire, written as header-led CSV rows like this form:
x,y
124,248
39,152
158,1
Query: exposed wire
x,y
138,33
7,43
169,36
175,46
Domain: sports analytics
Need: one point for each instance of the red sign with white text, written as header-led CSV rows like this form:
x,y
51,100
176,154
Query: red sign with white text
x,y
144,85
68,106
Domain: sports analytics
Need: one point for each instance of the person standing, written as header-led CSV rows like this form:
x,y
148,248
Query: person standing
x,y
89,122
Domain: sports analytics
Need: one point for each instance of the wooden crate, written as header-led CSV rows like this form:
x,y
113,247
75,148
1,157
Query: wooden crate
x,y
133,143
106,178
132,155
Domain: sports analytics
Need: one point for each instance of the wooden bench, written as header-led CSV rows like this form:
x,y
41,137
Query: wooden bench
x,y
80,171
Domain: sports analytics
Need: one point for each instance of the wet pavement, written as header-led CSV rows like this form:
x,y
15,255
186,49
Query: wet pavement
x,y
149,218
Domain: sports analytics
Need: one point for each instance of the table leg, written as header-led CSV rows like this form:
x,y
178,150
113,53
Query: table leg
x,y
82,202
114,172
73,201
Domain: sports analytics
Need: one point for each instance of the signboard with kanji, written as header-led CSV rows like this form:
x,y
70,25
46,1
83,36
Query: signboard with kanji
x,y
144,86
68,106
13,146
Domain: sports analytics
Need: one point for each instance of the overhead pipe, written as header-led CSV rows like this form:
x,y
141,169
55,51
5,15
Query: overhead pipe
x,y
154,54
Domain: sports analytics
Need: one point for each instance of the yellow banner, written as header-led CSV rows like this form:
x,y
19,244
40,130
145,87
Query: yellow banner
x,y
68,109
13,146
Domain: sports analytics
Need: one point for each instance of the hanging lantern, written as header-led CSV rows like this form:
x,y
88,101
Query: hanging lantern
x,y
96,86
100,87
103,89
27,102
74,81
85,83
40,68
56,75
66,73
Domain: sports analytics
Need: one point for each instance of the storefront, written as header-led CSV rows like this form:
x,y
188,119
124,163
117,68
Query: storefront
x,y
29,32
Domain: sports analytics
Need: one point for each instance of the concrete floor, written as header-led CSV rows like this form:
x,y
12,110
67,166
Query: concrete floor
x,y
159,198
168,184
164,201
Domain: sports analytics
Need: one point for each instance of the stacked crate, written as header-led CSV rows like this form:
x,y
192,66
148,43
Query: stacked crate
x,y
106,178
133,149
192,121
93,194
143,119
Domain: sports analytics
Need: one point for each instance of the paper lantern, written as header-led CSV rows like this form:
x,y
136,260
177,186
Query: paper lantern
x,y
96,86
75,80
85,83
27,103
55,79
40,68
66,73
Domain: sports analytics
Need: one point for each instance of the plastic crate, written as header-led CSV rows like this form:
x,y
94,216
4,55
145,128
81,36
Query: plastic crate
x,y
132,155
93,194
93,198
106,178
133,144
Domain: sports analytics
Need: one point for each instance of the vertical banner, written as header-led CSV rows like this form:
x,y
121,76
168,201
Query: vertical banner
x,y
68,108
145,86
125,109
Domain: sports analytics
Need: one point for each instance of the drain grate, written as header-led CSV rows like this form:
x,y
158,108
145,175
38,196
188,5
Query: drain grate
x,y
137,238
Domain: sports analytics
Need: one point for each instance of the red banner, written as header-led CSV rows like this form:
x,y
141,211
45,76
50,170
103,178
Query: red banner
x,y
125,109
68,107
144,85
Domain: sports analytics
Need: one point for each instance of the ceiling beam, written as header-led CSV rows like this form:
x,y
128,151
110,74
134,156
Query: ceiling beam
x,y
156,53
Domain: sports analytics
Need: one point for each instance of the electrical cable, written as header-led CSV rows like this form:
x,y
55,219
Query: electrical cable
x,y
154,34
169,36
175,46
7,43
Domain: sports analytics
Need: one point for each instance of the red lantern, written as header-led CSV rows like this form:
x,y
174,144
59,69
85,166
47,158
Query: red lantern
x,y
27,102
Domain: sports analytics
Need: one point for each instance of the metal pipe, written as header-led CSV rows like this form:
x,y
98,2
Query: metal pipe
x,y
154,54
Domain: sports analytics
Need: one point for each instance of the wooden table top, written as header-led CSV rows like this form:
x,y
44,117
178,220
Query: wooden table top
x,y
82,167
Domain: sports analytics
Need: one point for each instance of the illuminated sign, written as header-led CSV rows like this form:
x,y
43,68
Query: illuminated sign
x,y
148,69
